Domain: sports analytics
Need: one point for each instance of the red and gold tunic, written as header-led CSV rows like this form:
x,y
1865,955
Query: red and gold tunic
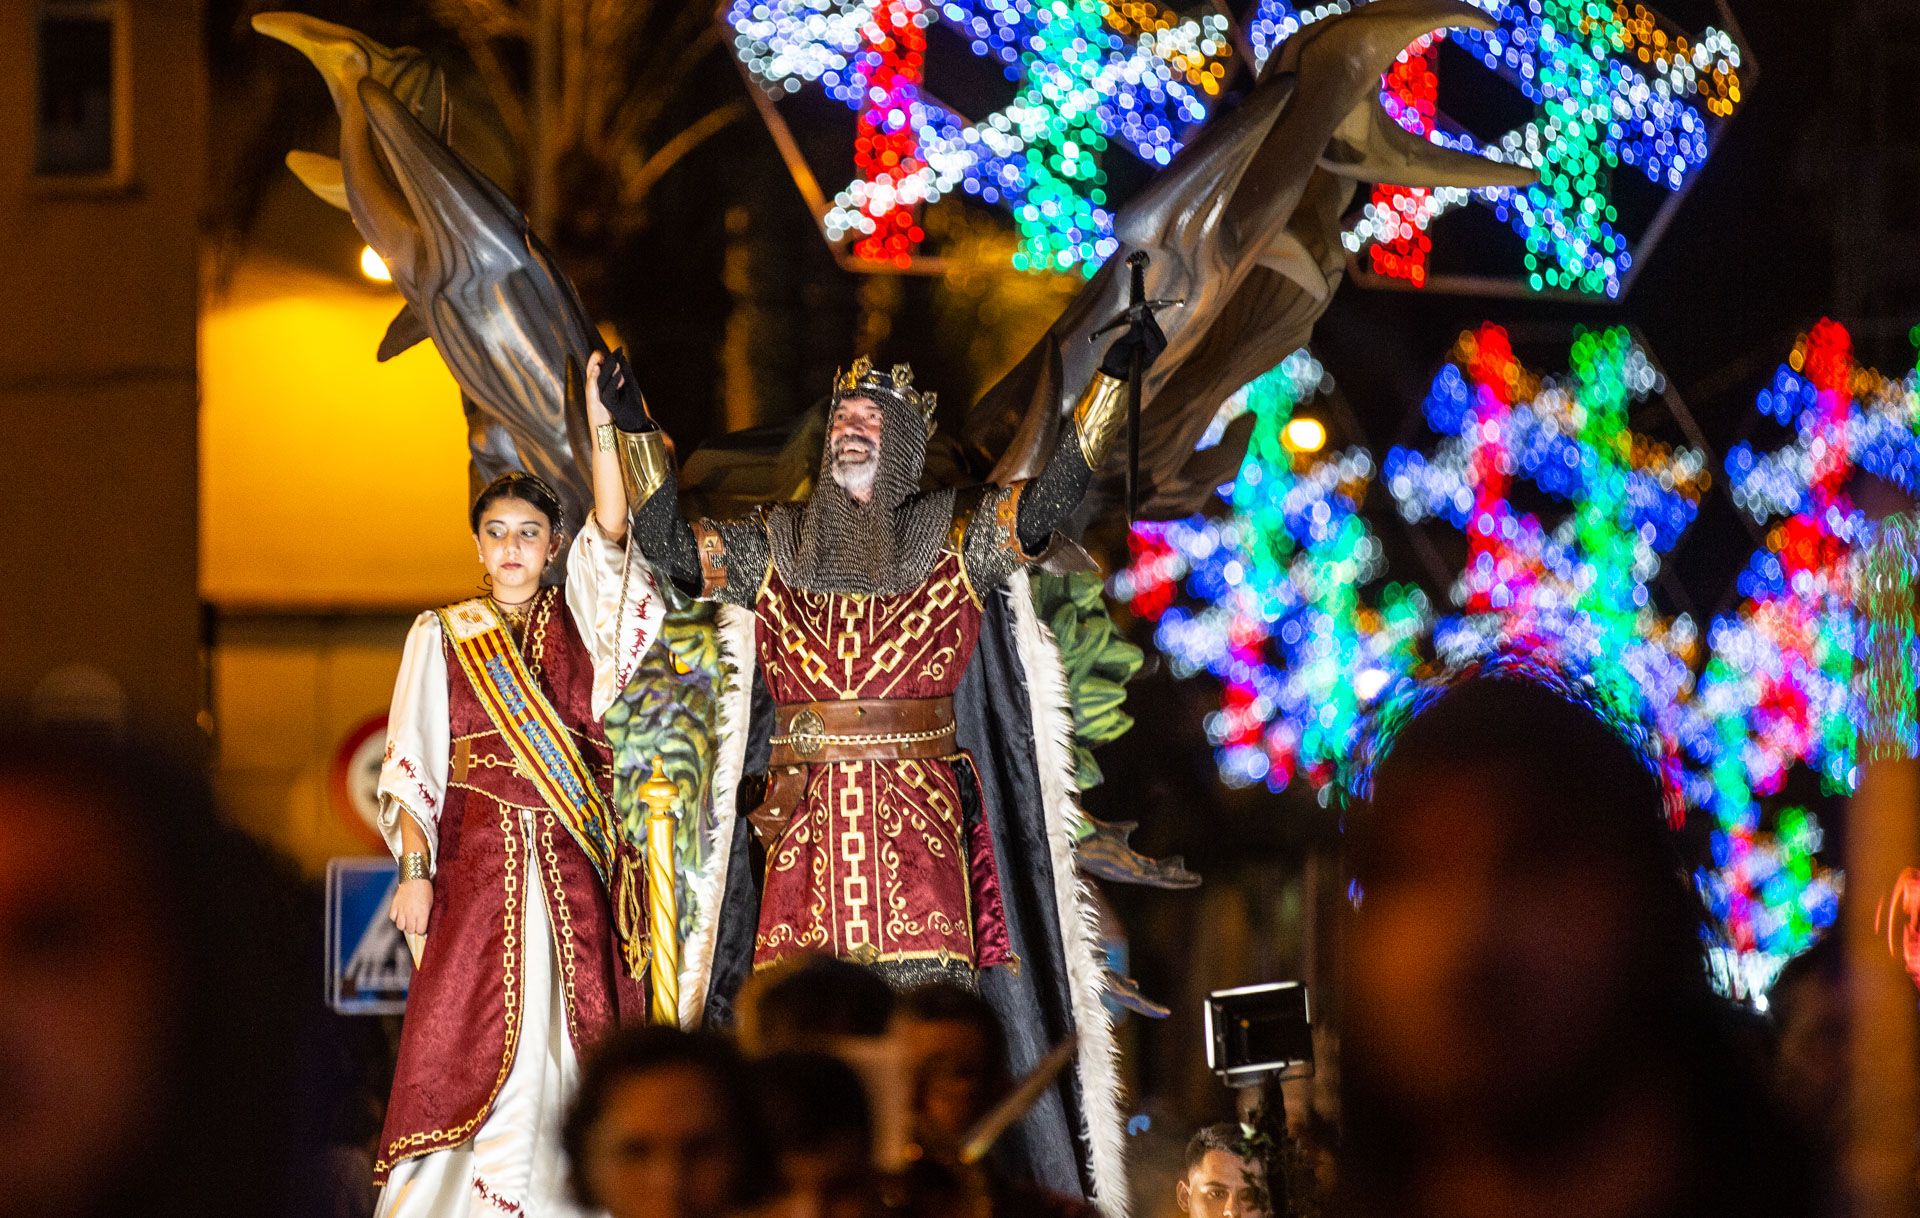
x,y
880,862
499,843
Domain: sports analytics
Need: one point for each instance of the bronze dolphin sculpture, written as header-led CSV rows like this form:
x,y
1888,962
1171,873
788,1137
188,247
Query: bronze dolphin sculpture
x,y
1244,226
508,324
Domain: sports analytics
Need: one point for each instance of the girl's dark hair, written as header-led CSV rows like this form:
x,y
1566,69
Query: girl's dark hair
x,y
631,1052
528,488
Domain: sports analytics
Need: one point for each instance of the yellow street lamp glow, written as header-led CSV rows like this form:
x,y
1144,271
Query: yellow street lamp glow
x,y
373,267
1304,435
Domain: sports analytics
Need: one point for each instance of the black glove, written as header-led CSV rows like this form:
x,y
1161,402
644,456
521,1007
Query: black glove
x,y
1145,337
620,395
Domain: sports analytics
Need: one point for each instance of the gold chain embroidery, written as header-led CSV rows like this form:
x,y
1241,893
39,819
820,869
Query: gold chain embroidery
x,y
542,615
568,965
413,1145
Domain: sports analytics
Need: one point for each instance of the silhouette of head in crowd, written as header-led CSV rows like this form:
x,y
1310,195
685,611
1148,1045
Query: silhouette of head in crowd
x,y
1529,1024
150,1010
810,1001
955,1053
815,1111
662,1127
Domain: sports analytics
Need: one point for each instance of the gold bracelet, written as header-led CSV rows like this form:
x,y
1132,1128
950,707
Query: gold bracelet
x,y
603,437
413,866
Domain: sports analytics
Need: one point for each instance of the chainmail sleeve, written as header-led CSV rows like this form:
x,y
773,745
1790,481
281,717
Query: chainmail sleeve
x,y
988,539
666,538
734,558
1009,526
1053,494
713,560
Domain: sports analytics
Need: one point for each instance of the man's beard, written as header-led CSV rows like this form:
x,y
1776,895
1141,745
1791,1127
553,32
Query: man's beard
x,y
835,543
855,476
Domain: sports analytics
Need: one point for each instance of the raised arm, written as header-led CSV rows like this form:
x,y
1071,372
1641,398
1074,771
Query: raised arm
x,y
705,559
1053,494
1062,482
643,469
609,493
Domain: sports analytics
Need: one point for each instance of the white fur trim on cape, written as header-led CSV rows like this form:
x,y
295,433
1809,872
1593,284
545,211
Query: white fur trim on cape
x,y
729,761
1099,1055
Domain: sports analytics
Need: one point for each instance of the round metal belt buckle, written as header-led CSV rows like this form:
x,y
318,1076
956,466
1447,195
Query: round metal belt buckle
x,y
805,731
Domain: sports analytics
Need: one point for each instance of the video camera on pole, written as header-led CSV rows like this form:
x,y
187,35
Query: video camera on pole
x,y
1259,1033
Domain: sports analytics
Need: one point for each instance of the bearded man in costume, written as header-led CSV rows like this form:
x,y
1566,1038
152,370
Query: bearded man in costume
x,y
897,725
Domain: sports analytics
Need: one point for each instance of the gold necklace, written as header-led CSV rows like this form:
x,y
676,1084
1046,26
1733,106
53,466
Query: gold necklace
x,y
516,614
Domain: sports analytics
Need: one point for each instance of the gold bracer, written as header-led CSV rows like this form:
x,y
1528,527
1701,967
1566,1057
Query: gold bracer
x,y
644,464
1099,416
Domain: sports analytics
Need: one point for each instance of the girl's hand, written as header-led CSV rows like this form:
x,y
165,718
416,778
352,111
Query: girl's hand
x,y
412,902
613,394
597,412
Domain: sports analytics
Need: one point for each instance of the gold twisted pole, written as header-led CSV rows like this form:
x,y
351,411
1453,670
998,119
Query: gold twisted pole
x,y
663,911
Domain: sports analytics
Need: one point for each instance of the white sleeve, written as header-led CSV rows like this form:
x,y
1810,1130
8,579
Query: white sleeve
x,y
615,601
413,776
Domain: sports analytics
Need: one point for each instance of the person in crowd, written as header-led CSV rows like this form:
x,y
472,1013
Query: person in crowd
x,y
954,1053
1223,1176
150,1014
516,875
815,1112
664,1126
809,1002
1530,1027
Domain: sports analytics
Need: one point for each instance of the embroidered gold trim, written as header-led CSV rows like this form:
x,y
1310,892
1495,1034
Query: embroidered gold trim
x,y
563,927
414,1145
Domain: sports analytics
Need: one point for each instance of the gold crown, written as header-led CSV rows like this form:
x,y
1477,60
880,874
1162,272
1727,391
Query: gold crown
x,y
898,381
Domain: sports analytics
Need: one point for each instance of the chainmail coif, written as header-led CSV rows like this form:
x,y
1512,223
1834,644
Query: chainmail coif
x,y
833,543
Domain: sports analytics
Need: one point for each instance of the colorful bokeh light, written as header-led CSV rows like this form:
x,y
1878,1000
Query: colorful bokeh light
x,y
1284,598
1089,74
1612,85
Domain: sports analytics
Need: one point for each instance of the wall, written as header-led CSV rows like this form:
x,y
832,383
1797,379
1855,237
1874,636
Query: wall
x,y
330,480
97,390
334,496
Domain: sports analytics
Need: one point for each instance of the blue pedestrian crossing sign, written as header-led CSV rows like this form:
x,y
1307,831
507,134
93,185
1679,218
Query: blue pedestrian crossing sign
x,y
368,964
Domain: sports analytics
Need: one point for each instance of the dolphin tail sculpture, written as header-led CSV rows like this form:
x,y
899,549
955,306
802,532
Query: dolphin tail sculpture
x,y
1244,226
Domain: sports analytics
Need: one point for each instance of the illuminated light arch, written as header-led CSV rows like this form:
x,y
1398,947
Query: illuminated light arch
x,y
1614,85
1270,599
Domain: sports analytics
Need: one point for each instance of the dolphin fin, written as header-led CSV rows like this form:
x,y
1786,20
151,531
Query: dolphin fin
x,y
1369,146
321,175
404,331
1287,257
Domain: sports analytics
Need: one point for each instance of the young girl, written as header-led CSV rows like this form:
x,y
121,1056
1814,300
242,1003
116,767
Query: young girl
x,y
496,797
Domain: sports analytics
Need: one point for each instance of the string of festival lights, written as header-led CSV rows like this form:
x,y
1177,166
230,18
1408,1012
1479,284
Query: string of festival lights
x,y
1612,85
1281,622
1134,72
1779,690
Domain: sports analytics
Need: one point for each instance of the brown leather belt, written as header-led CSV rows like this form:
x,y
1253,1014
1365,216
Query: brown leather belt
x,y
863,729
